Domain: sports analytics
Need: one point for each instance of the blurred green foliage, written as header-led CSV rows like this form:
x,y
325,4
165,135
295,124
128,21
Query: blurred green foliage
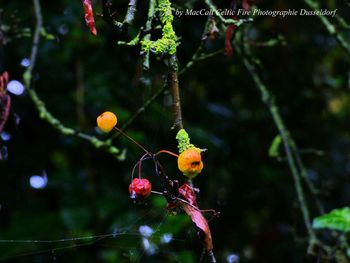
x,y
337,219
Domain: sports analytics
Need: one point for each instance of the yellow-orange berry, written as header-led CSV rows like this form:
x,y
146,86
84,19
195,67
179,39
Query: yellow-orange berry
x,y
107,121
190,162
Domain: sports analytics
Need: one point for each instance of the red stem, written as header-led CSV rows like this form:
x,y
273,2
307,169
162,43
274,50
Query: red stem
x,y
168,152
131,139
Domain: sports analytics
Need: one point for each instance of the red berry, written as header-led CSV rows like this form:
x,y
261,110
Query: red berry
x,y
140,187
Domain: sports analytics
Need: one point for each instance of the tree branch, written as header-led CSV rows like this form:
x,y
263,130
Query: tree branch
x,y
289,145
197,57
147,37
129,17
330,27
141,110
173,82
27,76
130,13
226,21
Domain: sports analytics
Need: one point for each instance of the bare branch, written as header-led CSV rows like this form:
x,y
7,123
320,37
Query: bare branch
x,y
174,87
130,13
293,158
197,57
129,17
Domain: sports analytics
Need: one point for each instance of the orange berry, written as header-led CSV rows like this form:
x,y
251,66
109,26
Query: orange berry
x,y
106,121
190,162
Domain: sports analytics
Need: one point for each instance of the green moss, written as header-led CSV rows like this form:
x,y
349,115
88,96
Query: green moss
x,y
132,42
164,7
183,140
167,43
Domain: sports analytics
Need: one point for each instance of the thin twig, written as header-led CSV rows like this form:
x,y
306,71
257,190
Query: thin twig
x,y
342,22
167,152
36,38
150,16
132,140
144,107
188,203
330,27
197,57
312,151
211,256
226,21
129,17
304,175
203,256
141,110
106,14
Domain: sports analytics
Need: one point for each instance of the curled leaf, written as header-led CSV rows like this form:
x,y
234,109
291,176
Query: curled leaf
x,y
89,17
201,223
186,193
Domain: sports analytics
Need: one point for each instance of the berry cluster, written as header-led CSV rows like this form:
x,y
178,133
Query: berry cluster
x,y
189,161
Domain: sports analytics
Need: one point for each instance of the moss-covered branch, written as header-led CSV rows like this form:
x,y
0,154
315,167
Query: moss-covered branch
x,y
54,122
147,37
167,43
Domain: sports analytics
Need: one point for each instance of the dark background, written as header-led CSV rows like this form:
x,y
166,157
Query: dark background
x,y
86,193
